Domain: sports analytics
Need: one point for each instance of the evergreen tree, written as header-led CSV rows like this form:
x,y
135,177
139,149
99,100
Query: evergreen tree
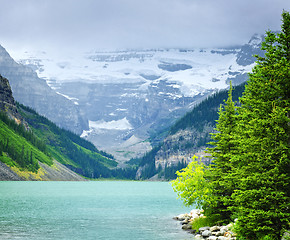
x,y
262,199
219,174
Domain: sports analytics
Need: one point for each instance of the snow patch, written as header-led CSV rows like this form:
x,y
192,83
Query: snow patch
x,y
86,133
69,98
122,124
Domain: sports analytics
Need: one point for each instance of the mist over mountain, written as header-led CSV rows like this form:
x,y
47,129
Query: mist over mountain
x,y
119,99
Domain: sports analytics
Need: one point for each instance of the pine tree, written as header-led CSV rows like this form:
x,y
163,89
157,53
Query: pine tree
x,y
219,174
262,199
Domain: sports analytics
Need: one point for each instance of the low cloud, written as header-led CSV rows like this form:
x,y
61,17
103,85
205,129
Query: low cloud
x,y
97,24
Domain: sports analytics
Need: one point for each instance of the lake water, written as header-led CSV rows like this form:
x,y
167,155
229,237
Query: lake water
x,y
110,210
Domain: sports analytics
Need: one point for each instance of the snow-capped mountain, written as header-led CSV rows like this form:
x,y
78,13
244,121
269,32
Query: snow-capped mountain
x,y
128,95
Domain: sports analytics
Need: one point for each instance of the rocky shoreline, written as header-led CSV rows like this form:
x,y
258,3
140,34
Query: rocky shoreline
x,y
209,233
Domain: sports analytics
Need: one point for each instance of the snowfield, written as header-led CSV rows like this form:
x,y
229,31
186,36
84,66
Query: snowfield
x,y
193,71
122,124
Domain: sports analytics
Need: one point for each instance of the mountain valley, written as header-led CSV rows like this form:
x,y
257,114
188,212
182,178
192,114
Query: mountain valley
x,y
123,99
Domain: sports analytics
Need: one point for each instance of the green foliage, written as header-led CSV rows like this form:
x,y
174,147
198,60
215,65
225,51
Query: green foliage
x,y
219,174
197,223
7,160
15,150
69,149
26,133
191,185
263,163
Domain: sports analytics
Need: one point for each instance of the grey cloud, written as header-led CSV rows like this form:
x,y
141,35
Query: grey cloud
x,y
135,23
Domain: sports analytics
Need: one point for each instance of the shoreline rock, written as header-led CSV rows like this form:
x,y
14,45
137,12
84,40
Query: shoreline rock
x,y
209,233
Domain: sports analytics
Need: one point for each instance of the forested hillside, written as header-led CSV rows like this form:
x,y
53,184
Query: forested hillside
x,y
19,147
24,148
188,135
69,149
28,139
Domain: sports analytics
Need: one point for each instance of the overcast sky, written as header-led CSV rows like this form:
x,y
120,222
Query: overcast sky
x,y
113,24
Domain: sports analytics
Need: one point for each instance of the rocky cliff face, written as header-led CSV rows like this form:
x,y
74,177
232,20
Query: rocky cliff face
x,y
32,91
182,146
7,102
6,98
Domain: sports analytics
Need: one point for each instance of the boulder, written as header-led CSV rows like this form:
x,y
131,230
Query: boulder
x,y
198,237
212,238
223,230
206,233
228,234
222,238
214,229
185,221
182,217
194,216
218,233
202,229
187,226
195,212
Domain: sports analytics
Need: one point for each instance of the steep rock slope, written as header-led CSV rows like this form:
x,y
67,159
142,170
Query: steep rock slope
x,y
12,171
6,99
6,174
32,91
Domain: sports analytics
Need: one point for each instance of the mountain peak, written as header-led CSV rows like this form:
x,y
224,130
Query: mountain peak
x,y
256,40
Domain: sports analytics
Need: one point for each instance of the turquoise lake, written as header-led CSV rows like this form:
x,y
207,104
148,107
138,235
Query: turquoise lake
x,y
90,210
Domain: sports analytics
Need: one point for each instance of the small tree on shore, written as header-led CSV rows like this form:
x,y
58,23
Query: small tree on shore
x,y
191,185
